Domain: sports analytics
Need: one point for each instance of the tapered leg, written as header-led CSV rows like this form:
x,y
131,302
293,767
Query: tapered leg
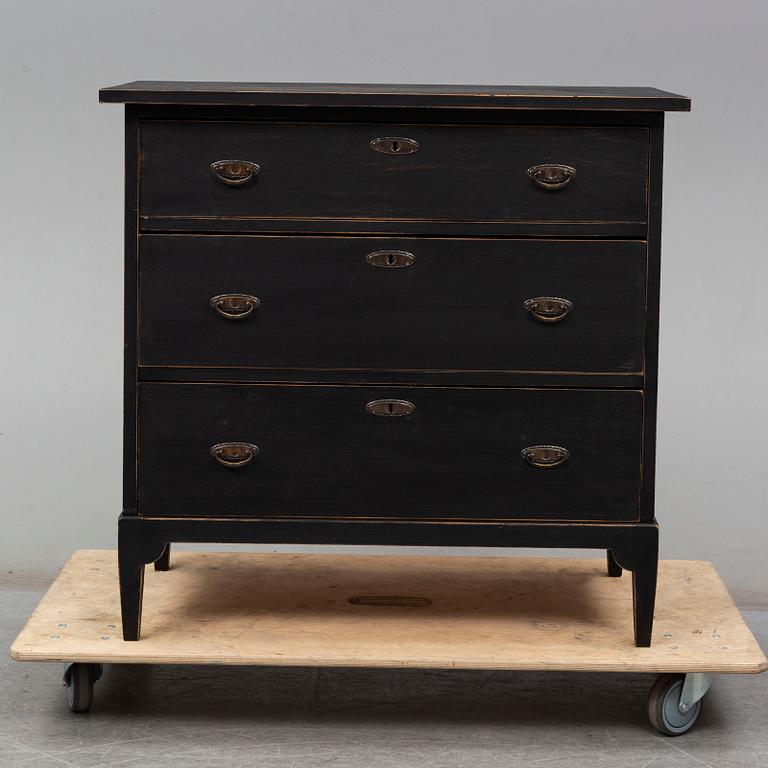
x,y
641,556
131,569
135,547
163,563
614,569
644,599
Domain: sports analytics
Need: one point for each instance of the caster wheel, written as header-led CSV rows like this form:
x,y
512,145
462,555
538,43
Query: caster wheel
x,y
663,710
79,680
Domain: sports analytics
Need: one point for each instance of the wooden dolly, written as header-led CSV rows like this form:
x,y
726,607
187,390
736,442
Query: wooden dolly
x,y
382,611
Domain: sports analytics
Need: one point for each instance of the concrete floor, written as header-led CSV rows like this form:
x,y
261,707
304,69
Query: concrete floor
x,y
291,718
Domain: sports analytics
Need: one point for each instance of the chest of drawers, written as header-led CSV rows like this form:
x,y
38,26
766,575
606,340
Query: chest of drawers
x,y
413,315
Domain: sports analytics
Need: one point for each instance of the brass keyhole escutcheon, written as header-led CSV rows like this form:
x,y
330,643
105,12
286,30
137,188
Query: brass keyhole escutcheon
x,y
395,145
390,407
390,259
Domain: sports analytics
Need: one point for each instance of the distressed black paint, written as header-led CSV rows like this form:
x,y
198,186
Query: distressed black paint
x,y
452,338
459,306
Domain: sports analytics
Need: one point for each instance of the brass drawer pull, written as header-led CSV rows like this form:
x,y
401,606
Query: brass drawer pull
x,y
234,455
390,407
390,259
395,145
548,309
552,176
545,456
235,306
234,173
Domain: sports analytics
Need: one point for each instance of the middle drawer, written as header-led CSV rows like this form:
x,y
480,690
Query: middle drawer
x,y
391,303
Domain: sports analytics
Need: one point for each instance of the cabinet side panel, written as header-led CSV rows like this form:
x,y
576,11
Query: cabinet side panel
x,y
129,344
653,281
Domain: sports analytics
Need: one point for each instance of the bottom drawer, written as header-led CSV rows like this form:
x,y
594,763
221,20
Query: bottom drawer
x,y
388,452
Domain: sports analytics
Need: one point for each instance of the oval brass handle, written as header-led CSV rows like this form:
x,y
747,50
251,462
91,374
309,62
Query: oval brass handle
x,y
394,145
234,172
390,407
235,306
545,456
548,309
552,176
390,259
234,455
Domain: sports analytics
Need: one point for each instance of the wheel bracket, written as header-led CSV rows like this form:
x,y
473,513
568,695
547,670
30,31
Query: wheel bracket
x,y
695,685
97,670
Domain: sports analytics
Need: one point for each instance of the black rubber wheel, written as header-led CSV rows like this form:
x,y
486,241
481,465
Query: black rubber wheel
x,y
663,710
79,680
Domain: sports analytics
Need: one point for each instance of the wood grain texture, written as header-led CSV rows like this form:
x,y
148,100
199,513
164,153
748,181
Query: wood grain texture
x,y
381,95
334,335
633,538
130,298
464,172
485,613
323,454
459,306
311,226
653,286
415,378
393,115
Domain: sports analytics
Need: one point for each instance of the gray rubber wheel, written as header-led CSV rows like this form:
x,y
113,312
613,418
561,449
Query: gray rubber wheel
x,y
663,710
79,680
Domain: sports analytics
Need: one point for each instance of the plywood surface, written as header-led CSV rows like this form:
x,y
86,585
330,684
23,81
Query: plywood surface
x,y
482,613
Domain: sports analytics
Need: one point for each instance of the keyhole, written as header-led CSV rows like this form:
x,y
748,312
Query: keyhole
x,y
391,258
391,407
395,146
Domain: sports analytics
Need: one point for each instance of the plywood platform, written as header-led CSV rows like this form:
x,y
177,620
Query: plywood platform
x,y
470,613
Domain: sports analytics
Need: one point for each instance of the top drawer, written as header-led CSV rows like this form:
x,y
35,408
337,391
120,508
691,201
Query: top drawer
x,y
446,173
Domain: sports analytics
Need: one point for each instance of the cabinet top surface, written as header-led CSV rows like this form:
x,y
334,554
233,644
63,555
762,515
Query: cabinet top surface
x,y
381,95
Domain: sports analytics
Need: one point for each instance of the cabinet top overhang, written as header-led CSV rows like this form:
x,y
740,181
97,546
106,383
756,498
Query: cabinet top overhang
x,y
378,95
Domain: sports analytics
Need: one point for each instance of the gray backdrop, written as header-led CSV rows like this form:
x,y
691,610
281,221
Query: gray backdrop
x,y
61,224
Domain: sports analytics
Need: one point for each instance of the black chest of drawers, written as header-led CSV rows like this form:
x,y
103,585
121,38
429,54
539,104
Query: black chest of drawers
x,y
414,315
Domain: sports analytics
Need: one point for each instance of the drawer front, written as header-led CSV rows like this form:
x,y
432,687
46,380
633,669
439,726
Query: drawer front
x,y
424,452
458,173
423,304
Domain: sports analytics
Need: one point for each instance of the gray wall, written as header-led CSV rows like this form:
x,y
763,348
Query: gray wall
x,y
61,219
